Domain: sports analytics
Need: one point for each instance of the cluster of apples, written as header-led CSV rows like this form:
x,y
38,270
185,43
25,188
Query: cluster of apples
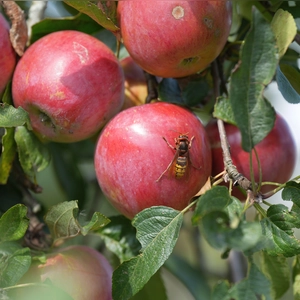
x,y
72,85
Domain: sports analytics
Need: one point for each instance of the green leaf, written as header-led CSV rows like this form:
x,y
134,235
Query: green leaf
x,y
221,291
65,163
223,110
221,233
33,155
104,16
63,223
215,199
14,263
190,92
291,192
80,22
195,91
192,278
157,230
255,284
293,7
13,117
219,218
154,289
253,114
288,78
296,278
284,28
7,97
14,223
277,229
97,221
9,150
120,238
276,268
169,91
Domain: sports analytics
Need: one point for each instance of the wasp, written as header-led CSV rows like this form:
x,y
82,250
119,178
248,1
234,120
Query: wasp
x,y
181,159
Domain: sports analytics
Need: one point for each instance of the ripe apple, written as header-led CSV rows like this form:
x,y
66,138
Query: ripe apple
x,y
80,271
70,83
135,83
131,154
277,153
7,54
174,38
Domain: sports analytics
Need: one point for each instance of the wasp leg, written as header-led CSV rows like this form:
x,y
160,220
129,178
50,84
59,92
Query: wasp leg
x,y
162,174
172,147
167,169
190,145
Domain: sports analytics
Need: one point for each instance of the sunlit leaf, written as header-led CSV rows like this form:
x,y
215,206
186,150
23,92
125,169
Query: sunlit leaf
x,y
157,230
277,270
284,28
8,154
296,278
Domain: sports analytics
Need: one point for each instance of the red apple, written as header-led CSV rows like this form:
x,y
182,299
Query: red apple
x,y
131,155
174,38
7,54
277,153
135,83
80,271
70,83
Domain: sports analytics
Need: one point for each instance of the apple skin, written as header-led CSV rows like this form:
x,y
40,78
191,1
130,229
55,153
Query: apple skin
x,y
7,54
70,83
80,271
131,155
277,153
174,38
135,83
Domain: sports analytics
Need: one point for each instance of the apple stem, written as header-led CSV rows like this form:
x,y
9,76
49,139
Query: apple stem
x,y
151,87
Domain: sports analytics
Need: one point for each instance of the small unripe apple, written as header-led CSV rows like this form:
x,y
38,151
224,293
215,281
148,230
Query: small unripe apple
x,y
7,54
80,271
70,83
174,38
135,83
131,156
277,153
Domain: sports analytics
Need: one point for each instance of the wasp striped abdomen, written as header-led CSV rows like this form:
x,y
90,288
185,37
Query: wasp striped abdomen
x,y
180,166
